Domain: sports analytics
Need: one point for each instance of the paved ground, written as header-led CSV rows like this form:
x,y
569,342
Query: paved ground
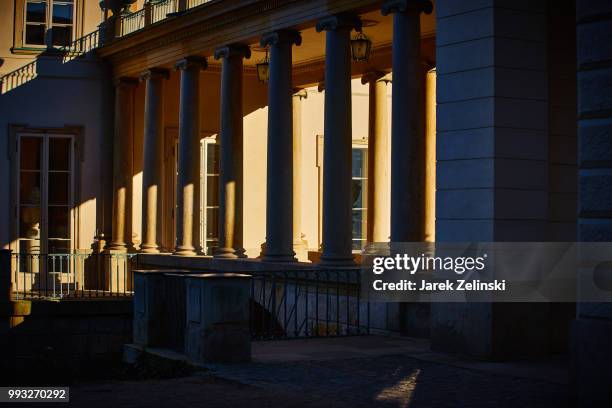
x,y
364,372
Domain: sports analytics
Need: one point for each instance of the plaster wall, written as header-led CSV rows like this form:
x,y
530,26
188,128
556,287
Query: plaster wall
x,y
42,103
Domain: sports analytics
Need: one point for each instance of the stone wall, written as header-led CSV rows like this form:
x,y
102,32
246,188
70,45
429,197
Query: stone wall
x,y
63,340
502,173
592,335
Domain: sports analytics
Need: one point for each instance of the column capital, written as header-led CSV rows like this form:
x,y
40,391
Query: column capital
x,y
372,76
404,6
279,36
228,51
155,73
191,62
300,93
125,82
346,21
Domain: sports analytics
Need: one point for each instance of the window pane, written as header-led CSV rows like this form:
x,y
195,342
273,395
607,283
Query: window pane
x,y
62,35
212,223
35,34
62,13
59,153
59,227
29,222
36,12
358,192
359,230
58,246
359,162
29,188
30,153
212,158
59,191
212,190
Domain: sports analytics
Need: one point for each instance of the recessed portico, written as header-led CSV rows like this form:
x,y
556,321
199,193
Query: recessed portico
x,y
300,57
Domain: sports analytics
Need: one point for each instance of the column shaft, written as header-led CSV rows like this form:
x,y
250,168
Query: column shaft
x,y
188,181
337,197
378,160
279,203
407,129
231,145
430,157
299,244
122,166
153,157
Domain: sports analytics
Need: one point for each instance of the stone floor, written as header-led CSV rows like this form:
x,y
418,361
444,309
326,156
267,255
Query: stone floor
x,y
350,372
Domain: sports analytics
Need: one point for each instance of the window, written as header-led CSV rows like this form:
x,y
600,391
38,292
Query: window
x,y
40,15
45,193
209,195
359,185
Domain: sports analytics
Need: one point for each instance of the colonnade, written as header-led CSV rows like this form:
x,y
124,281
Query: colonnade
x,y
405,180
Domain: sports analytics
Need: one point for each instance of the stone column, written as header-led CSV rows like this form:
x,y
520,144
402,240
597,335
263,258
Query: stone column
x,y
407,128
300,246
430,156
231,143
378,159
279,200
153,158
123,146
188,180
337,200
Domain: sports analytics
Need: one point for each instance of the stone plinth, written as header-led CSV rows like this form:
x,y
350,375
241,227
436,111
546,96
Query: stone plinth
x,y
150,300
217,327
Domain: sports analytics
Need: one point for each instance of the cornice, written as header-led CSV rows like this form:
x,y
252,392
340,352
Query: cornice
x,y
218,23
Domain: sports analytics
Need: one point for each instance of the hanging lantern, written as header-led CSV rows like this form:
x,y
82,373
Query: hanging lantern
x,y
263,70
361,47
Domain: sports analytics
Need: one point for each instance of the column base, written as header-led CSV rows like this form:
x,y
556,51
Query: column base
x,y
116,247
333,261
184,251
229,253
149,249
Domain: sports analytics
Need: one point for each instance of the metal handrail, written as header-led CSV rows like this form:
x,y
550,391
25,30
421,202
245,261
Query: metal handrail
x,y
72,275
83,44
132,22
160,11
27,72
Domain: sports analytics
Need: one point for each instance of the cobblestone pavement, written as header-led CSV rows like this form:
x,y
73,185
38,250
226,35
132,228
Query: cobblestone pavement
x,y
385,381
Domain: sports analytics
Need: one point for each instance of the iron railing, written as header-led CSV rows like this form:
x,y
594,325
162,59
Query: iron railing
x,y
307,303
132,22
159,11
82,45
28,72
74,275
195,3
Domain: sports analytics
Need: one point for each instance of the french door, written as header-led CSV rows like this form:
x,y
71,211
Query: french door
x,y
45,193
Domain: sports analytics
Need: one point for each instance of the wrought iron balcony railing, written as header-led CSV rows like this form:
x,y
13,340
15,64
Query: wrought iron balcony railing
x,y
129,23
73,275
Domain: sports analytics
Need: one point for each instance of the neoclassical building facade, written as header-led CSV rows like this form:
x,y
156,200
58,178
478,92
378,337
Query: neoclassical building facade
x,y
229,132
